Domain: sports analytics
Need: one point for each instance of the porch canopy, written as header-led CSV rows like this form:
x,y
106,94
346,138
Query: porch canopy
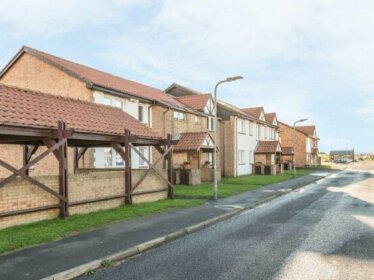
x,y
195,142
268,147
36,119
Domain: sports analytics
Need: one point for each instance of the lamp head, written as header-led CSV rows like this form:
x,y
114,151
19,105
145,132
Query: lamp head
x,y
234,78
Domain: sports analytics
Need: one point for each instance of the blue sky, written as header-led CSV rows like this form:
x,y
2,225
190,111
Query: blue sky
x,y
302,59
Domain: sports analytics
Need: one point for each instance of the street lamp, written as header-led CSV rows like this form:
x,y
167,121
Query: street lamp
x,y
294,142
215,184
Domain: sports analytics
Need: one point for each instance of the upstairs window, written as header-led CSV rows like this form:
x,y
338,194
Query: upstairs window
x,y
179,115
241,126
211,123
141,113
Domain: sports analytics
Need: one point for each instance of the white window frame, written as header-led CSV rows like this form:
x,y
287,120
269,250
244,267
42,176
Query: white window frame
x,y
241,126
181,116
241,156
210,123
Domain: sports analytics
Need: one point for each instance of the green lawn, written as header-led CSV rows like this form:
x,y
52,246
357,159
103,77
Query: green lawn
x,y
46,231
235,185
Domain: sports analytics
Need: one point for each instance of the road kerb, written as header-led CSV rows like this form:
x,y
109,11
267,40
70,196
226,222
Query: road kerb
x,y
135,250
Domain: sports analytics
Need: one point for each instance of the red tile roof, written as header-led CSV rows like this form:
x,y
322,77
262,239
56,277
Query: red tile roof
x,y
287,150
96,77
196,102
267,147
192,141
269,117
255,112
309,129
25,108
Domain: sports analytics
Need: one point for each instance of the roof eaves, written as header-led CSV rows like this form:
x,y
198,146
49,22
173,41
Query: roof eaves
x,y
12,61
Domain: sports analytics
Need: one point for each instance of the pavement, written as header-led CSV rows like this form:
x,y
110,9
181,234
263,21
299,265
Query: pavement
x,y
321,231
96,245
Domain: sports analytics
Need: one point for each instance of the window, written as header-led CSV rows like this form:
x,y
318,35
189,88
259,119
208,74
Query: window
x,y
141,113
117,103
197,120
108,157
211,123
119,160
241,126
266,132
259,132
107,101
179,115
251,128
141,160
241,154
250,157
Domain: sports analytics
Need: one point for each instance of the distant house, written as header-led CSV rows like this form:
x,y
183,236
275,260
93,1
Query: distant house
x,y
268,151
349,154
306,144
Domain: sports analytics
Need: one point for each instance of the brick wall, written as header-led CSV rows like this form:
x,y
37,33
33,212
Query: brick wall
x,y
20,194
286,137
34,74
228,147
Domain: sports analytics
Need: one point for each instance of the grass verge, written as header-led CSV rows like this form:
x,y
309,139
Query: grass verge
x,y
230,186
18,237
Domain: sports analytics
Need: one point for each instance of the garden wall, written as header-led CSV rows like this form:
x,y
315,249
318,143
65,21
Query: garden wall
x,y
86,185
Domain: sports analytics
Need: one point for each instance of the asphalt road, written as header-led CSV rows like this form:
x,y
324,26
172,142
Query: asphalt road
x,y
322,231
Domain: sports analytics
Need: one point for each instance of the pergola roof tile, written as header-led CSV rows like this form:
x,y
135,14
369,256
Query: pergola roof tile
x,y
192,141
25,108
267,147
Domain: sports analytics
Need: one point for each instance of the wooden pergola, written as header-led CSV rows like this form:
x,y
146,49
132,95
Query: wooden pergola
x,y
57,140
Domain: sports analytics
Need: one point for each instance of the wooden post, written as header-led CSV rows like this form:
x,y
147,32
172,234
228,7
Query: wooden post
x,y
170,168
76,160
25,157
28,152
63,172
128,179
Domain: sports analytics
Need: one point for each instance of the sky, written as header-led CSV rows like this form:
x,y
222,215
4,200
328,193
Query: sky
x,y
309,59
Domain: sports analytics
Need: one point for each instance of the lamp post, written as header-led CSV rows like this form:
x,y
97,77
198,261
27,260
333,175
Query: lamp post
x,y
294,142
215,184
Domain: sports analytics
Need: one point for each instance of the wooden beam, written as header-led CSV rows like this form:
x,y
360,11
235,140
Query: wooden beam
x,y
78,153
28,151
63,172
151,166
127,159
27,166
170,168
22,174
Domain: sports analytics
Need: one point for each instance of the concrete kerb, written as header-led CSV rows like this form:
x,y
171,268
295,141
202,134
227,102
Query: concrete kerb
x,y
135,250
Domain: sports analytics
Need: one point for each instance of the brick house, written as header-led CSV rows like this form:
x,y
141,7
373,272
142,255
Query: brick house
x,y
267,152
201,130
306,144
240,131
36,70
